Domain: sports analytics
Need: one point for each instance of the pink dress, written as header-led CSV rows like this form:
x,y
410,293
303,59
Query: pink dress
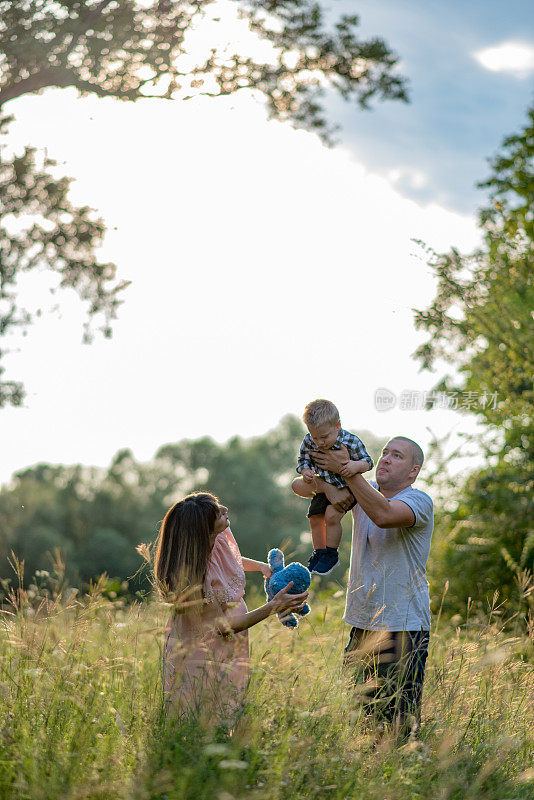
x,y
205,673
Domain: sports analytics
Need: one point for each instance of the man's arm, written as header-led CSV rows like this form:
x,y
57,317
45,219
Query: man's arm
x,y
384,513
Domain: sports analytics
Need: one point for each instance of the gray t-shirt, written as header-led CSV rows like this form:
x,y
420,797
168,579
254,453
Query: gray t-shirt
x,y
388,589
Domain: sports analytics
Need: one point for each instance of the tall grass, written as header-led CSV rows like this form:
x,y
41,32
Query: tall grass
x,y
81,692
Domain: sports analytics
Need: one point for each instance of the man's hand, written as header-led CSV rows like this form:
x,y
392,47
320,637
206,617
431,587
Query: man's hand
x,y
307,475
341,499
332,460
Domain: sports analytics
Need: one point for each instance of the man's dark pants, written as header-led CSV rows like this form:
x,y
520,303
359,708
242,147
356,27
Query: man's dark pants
x,y
393,664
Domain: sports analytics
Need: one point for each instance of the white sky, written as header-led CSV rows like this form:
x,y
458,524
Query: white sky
x,y
266,270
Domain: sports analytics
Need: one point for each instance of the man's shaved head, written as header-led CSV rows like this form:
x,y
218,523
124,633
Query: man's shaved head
x,y
417,454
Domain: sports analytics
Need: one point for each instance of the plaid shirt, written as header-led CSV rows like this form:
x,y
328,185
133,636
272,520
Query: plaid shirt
x,y
355,446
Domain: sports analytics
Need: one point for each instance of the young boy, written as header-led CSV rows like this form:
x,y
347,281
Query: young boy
x,y
321,417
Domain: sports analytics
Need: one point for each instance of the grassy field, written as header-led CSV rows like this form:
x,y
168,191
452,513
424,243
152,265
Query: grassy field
x,y
81,693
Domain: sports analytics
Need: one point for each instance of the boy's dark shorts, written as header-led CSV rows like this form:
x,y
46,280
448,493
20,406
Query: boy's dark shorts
x,y
320,502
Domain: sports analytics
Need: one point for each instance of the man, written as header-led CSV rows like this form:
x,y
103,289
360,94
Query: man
x,y
387,596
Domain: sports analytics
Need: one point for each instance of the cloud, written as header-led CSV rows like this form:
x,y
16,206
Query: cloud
x,y
401,177
514,57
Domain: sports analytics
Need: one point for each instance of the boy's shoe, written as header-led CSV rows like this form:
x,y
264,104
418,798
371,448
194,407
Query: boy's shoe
x,y
328,560
314,558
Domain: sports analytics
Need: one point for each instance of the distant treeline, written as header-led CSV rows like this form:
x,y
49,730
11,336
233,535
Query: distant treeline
x,y
97,517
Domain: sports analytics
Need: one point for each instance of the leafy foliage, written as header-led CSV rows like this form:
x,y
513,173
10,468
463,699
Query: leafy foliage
x,y
93,518
96,518
481,322
130,49
41,228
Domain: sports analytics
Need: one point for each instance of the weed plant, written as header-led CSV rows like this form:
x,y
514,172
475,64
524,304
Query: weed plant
x,y
80,686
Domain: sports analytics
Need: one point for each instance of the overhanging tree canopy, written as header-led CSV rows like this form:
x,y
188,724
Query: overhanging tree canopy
x,y
130,49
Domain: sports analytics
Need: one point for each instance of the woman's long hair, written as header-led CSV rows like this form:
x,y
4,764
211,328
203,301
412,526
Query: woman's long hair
x,y
183,548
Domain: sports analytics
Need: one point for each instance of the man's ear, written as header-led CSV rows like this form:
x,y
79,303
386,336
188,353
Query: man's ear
x,y
415,470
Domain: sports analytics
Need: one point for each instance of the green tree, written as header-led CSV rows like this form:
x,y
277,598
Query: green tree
x,y
96,517
481,323
252,477
130,49
133,49
40,227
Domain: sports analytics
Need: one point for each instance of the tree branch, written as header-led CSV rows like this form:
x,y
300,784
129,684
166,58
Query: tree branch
x,y
63,77
93,14
33,83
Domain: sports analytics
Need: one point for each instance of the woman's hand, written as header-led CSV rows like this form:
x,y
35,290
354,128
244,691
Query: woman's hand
x,y
251,565
283,601
265,570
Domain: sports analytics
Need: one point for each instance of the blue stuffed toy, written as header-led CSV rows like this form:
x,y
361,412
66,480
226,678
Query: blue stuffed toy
x,y
281,576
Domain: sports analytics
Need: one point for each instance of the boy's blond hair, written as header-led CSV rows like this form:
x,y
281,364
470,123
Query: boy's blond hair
x,y
318,412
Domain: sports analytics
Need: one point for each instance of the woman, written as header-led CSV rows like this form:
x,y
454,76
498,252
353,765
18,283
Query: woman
x,y
199,567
